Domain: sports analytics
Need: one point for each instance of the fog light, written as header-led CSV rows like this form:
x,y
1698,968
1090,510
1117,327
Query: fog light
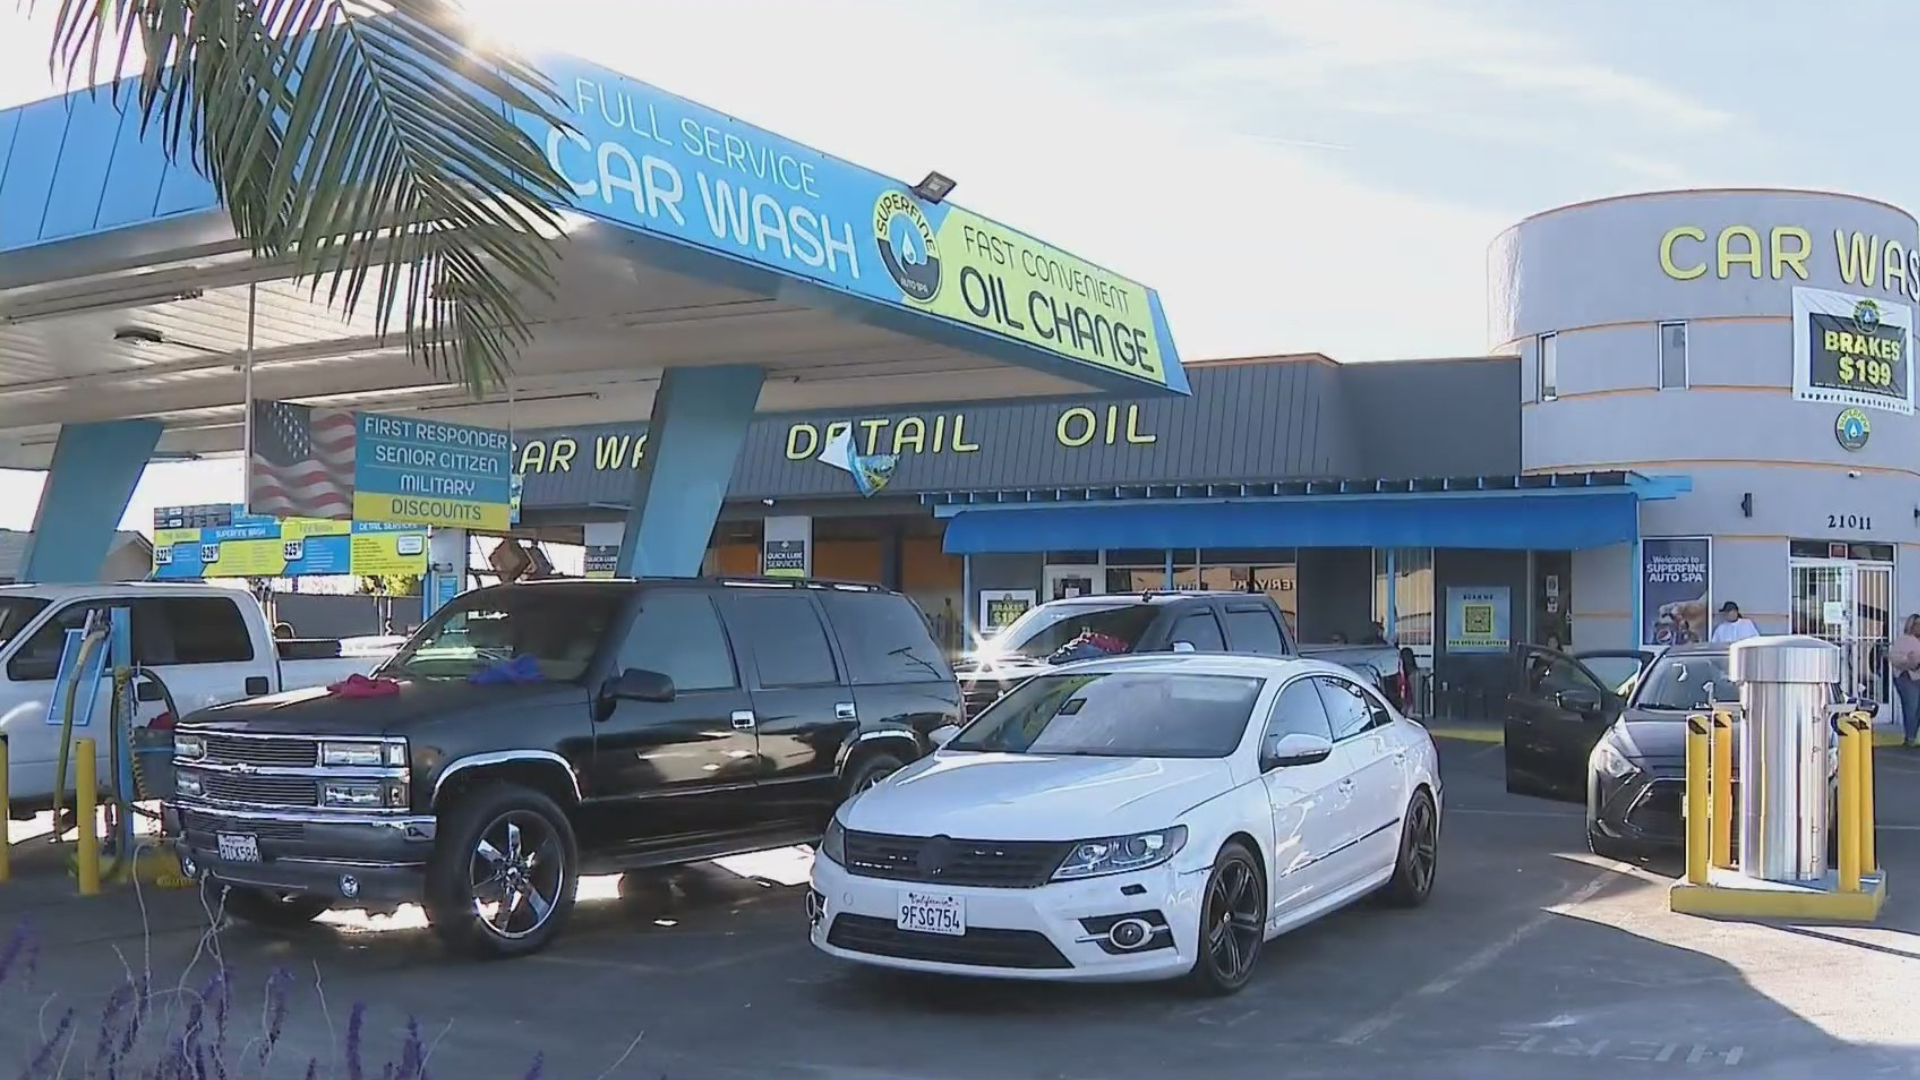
x,y
349,886
189,868
816,907
1129,933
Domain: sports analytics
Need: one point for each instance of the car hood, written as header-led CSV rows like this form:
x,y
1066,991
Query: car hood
x,y
1652,736
315,711
983,796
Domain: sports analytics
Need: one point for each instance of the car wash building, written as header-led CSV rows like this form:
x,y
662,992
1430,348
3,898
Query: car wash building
x,y
1690,398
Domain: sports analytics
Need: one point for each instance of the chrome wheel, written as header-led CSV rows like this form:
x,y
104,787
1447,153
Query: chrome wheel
x,y
1234,926
516,874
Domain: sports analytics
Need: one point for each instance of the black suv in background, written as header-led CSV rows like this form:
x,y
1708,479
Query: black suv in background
x,y
529,734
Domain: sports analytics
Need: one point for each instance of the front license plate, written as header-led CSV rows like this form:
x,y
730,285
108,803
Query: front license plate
x,y
932,913
235,848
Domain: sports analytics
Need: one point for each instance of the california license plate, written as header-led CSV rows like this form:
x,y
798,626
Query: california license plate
x,y
932,913
237,848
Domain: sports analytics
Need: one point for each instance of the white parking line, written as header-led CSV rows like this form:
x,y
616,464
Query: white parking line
x,y
1478,962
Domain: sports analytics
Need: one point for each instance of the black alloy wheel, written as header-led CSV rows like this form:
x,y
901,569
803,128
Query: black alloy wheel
x,y
1419,860
1233,923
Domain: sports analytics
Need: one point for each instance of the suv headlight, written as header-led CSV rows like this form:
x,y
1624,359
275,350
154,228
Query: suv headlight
x,y
366,755
187,784
833,845
364,794
1609,761
189,747
1121,854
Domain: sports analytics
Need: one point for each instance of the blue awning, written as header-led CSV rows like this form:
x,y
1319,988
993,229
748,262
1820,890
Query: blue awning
x,y
1543,521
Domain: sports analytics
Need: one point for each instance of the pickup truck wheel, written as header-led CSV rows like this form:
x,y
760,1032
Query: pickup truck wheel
x,y
502,878
871,771
280,911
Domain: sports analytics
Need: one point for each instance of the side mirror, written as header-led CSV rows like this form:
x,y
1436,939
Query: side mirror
x,y
639,684
1577,700
1869,706
941,736
1294,748
1183,646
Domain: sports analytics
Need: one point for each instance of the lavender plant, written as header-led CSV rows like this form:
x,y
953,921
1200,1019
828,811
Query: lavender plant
x,y
150,1033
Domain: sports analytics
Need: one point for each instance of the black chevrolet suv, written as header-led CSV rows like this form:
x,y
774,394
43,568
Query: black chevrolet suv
x,y
529,734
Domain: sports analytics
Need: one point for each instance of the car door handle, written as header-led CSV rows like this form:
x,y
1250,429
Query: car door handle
x,y
843,710
743,719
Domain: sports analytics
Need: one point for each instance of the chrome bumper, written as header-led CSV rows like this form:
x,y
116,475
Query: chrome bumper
x,y
341,853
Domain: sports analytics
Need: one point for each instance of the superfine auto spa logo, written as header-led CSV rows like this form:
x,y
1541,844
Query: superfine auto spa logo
x,y
907,245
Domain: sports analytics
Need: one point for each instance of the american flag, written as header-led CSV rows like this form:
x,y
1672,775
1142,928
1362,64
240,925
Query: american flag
x,y
302,463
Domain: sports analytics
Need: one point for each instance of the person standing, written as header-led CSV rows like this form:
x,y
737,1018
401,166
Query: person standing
x,y
1733,626
1904,659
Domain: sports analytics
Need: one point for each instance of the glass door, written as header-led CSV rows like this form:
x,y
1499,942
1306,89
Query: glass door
x,y
1063,582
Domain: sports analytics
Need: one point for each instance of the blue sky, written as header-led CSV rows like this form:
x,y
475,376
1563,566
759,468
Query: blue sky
x,y
1293,175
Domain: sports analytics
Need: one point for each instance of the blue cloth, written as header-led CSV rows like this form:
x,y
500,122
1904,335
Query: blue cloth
x,y
520,669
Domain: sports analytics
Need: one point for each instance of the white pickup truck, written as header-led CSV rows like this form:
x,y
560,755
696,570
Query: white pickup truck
x,y
207,644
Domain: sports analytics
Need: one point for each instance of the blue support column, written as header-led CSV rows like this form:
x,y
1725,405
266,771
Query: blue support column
x,y
95,469
700,420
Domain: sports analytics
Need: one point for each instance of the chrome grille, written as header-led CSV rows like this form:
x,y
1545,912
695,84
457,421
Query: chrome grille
x,y
285,753
260,790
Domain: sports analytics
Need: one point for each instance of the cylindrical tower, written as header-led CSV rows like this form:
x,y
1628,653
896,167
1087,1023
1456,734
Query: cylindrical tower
x,y
1759,342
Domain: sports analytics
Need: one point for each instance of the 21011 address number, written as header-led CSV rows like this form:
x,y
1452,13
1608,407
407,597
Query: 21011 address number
x,y
1849,521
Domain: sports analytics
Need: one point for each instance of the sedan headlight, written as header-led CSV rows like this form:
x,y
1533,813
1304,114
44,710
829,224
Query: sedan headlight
x,y
189,747
833,845
1609,761
188,784
366,755
1120,854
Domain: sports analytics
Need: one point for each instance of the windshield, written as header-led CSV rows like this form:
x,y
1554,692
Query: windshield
x,y
1049,628
1682,683
15,613
559,628
1117,714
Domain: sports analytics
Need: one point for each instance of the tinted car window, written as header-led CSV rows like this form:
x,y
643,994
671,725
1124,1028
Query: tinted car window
x,y
678,634
1252,630
1299,710
559,628
1050,628
884,639
1201,631
191,630
789,645
1117,714
1348,707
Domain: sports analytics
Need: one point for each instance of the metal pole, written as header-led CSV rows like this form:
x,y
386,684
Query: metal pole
x,y
246,380
87,868
1850,806
967,621
1869,859
1722,780
1697,803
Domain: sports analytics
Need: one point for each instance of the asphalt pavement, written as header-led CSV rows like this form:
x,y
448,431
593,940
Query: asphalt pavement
x,y
1533,959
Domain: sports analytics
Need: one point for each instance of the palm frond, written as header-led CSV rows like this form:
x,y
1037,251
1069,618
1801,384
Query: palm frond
x,y
369,144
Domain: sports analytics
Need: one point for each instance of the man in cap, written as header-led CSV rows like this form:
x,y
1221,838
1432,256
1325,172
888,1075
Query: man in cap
x,y
1733,626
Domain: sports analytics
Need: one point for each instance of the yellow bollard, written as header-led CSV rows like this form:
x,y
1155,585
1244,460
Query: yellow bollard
x,y
1722,780
1863,775
6,813
1849,826
1697,800
87,794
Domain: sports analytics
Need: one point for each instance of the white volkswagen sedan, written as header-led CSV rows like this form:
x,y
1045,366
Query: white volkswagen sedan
x,y
1135,818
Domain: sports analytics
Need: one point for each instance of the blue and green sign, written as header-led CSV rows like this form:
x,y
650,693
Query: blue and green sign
x,y
412,470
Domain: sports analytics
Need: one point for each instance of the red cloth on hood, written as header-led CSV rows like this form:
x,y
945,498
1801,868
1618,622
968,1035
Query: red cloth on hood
x,y
359,686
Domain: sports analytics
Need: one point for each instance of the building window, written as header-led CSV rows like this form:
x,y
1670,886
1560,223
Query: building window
x,y
1549,373
1673,356
1410,624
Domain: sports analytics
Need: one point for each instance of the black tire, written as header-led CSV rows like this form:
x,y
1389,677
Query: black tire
x,y
1233,923
277,911
1418,862
871,770
485,857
